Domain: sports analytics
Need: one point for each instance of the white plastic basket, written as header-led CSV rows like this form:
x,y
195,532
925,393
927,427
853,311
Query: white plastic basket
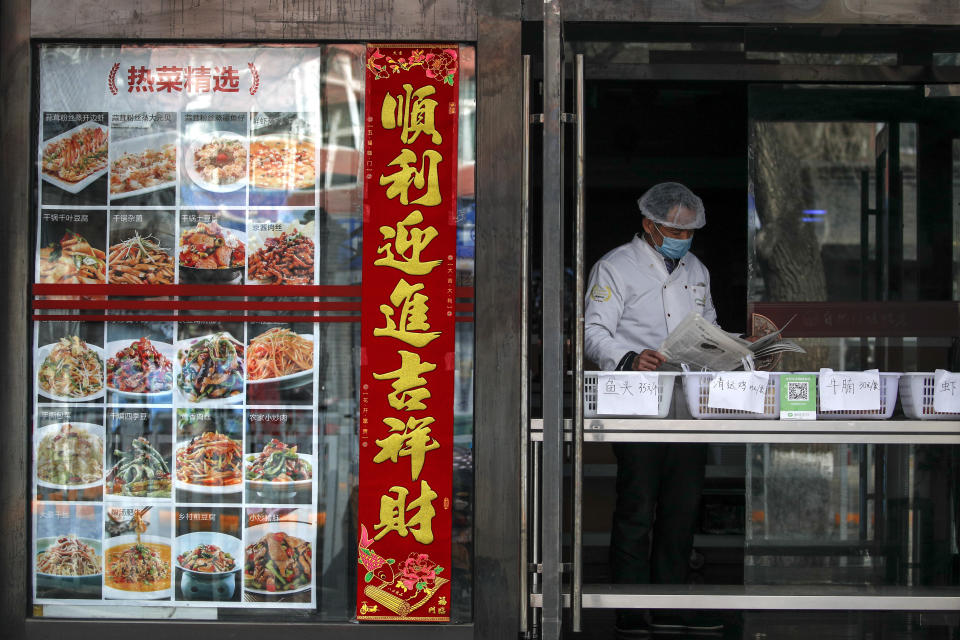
x,y
916,396
696,387
888,400
664,393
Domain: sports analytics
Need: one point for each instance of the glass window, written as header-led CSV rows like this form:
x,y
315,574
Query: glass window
x,y
200,451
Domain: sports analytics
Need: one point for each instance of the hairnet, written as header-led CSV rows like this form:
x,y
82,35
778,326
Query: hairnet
x,y
673,205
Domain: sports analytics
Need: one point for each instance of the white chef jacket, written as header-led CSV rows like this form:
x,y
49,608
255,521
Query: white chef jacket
x,y
633,303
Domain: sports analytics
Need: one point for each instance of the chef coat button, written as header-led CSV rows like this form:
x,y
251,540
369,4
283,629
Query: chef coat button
x,y
668,315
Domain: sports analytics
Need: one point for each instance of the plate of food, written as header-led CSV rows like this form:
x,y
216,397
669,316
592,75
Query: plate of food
x,y
208,370
75,158
285,257
280,357
284,162
69,455
210,463
137,567
140,472
141,260
279,466
207,553
70,370
69,559
140,369
278,558
143,164
210,252
71,260
217,161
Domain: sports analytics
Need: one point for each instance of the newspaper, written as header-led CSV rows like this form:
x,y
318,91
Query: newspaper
x,y
703,346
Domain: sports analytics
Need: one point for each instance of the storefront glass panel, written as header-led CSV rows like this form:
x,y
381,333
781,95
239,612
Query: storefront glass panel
x,y
197,449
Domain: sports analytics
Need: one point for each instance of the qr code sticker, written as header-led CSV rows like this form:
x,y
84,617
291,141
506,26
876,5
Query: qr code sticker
x,y
798,391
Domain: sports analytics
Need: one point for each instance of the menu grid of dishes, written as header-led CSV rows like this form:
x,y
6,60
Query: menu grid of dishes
x,y
177,462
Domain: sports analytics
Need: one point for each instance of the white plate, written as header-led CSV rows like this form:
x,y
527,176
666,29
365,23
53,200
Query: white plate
x,y
115,346
227,543
284,485
203,488
290,380
44,543
181,398
120,594
95,430
73,187
195,175
154,141
301,530
42,354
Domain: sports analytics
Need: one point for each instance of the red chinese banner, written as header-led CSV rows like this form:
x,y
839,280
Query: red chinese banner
x,y
407,344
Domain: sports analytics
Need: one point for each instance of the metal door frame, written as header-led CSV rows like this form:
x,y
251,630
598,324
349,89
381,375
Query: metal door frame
x,y
554,429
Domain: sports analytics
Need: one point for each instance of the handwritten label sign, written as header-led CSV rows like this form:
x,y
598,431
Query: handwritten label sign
x,y
628,394
946,391
849,390
738,390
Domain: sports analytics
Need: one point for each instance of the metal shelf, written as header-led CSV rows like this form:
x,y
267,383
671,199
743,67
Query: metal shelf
x,y
822,597
762,431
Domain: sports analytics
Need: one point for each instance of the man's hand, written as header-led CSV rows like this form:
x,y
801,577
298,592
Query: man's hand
x,y
648,360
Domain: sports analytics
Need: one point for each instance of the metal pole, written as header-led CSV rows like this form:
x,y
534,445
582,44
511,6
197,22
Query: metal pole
x,y
525,350
577,580
552,324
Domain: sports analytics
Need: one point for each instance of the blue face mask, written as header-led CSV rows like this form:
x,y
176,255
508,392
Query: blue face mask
x,y
674,248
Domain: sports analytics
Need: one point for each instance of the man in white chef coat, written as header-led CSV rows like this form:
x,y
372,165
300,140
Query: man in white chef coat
x,y
637,294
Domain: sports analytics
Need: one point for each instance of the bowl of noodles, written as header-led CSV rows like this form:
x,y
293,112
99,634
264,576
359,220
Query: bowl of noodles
x,y
280,358
69,455
70,370
68,561
137,567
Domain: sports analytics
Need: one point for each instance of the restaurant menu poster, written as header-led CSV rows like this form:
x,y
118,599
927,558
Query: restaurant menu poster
x,y
175,456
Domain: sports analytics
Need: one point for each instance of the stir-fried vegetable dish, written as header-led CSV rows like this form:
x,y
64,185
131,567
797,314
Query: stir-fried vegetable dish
x,y
211,368
140,472
72,455
210,459
140,368
278,462
140,260
207,558
278,562
71,369
69,556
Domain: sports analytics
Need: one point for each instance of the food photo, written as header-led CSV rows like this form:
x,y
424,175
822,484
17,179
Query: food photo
x,y
143,158
208,459
283,159
208,552
213,159
74,158
279,464
138,552
68,553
